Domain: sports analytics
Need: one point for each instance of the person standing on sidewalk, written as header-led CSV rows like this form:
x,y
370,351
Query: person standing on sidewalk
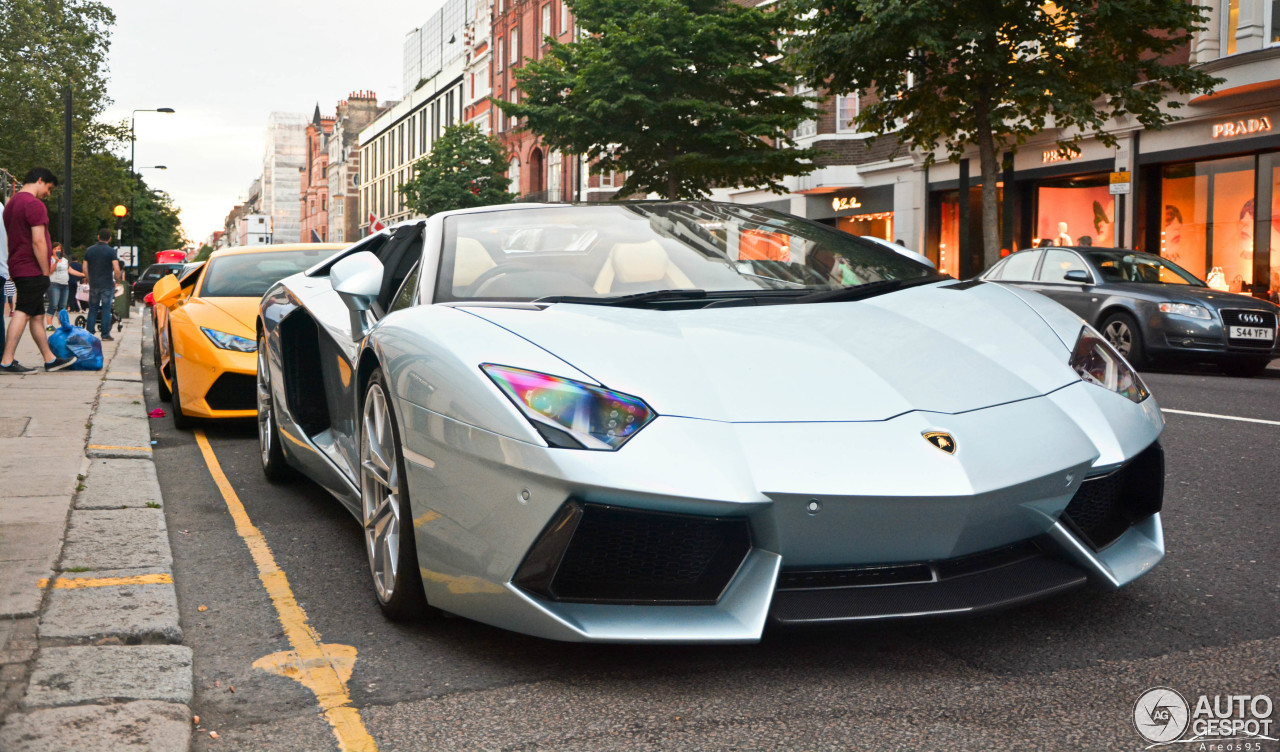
x,y
26,222
4,278
59,286
102,266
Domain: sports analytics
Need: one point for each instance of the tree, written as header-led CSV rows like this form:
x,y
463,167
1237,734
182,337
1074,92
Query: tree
x,y
158,226
465,168
203,253
993,73
681,95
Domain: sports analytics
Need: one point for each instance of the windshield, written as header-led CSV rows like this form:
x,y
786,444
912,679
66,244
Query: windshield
x,y
1126,266
248,275
615,250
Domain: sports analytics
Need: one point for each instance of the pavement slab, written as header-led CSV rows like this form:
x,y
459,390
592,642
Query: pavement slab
x,y
117,483
83,675
53,475
134,613
115,539
129,727
121,389
114,436
31,529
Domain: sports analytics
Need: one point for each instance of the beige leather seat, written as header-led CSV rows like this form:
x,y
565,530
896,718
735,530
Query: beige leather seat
x,y
641,266
470,260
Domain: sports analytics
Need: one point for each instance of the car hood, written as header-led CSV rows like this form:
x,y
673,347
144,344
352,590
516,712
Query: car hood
x,y
1206,296
243,310
940,348
230,315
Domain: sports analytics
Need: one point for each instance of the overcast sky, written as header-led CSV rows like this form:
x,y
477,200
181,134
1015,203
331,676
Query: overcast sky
x,y
224,66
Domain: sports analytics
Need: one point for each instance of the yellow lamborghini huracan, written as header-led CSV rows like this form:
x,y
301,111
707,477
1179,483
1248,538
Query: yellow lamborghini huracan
x,y
205,342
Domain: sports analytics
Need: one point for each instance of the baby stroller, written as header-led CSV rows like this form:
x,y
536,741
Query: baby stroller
x,y
82,297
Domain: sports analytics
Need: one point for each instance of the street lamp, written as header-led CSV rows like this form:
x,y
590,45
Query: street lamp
x,y
133,226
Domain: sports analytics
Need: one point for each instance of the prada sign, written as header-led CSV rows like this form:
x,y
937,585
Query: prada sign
x,y
1246,127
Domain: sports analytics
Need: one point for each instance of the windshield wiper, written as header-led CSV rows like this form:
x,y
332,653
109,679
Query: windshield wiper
x,y
653,296
868,290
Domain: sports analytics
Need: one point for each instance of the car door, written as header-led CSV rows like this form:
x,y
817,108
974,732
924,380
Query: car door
x,y
399,256
1052,282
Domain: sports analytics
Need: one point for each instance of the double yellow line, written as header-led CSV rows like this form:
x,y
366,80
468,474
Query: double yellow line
x,y
322,668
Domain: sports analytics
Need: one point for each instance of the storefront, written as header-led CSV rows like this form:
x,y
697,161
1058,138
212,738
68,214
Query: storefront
x,y
1215,209
864,211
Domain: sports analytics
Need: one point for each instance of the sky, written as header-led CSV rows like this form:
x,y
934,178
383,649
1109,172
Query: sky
x,y
225,66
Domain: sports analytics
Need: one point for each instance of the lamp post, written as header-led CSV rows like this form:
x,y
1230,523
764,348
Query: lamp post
x,y
133,173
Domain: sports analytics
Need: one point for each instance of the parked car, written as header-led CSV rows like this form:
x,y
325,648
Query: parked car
x,y
1149,308
147,280
595,423
205,340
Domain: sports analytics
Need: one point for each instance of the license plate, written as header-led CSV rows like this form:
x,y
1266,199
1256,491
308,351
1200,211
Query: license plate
x,y
1251,332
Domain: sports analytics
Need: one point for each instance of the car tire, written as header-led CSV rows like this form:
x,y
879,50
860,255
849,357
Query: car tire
x,y
1121,330
180,419
1245,369
385,510
274,465
161,386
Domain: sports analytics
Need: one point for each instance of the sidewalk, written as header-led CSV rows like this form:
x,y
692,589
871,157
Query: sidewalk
x,y
90,646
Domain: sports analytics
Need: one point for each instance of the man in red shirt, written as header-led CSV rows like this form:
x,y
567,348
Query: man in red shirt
x,y
27,223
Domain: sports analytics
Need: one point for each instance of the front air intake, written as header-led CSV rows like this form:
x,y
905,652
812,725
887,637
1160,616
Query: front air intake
x,y
593,553
1104,508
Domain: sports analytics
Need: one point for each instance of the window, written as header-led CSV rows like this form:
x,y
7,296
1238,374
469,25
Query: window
x,y
1273,27
513,172
806,129
564,16
846,110
324,203
1058,263
515,45
497,56
1230,22
408,291
1020,267
554,182
545,30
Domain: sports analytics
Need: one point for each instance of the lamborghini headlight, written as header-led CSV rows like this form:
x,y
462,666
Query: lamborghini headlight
x,y
572,414
1097,362
229,341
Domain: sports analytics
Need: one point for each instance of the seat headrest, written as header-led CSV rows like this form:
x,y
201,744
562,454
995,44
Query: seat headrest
x,y
639,262
470,260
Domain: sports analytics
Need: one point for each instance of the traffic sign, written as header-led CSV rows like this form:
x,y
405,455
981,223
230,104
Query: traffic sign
x,y
1121,183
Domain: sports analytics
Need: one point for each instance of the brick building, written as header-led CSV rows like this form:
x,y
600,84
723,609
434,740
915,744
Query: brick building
x,y
354,114
314,189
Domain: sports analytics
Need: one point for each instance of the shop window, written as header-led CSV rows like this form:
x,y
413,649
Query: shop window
x,y
1273,266
879,225
1273,36
1075,211
1209,220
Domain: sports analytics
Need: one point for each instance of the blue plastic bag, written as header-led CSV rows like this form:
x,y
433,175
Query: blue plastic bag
x,y
73,341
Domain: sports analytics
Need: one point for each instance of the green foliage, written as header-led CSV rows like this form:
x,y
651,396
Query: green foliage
x,y
993,73
681,95
465,168
203,253
46,45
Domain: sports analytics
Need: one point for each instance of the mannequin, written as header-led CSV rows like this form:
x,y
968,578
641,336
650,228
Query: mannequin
x,y
1063,237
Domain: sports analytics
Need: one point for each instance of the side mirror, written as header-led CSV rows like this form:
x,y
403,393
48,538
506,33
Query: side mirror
x,y
1078,275
167,291
357,279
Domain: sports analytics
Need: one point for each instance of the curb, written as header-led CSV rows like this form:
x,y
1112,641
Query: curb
x,y
109,672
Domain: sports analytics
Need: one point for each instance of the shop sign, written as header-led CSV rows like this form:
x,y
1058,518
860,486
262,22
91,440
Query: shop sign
x,y
845,203
1233,128
1058,155
1120,183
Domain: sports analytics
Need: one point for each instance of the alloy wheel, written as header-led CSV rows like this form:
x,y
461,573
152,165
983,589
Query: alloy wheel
x,y
380,491
1120,337
266,417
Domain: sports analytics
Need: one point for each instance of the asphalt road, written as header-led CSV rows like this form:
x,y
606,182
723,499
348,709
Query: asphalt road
x,y
1062,674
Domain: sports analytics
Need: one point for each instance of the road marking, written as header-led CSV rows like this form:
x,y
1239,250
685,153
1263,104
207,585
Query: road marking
x,y
68,583
1222,417
323,669
110,448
